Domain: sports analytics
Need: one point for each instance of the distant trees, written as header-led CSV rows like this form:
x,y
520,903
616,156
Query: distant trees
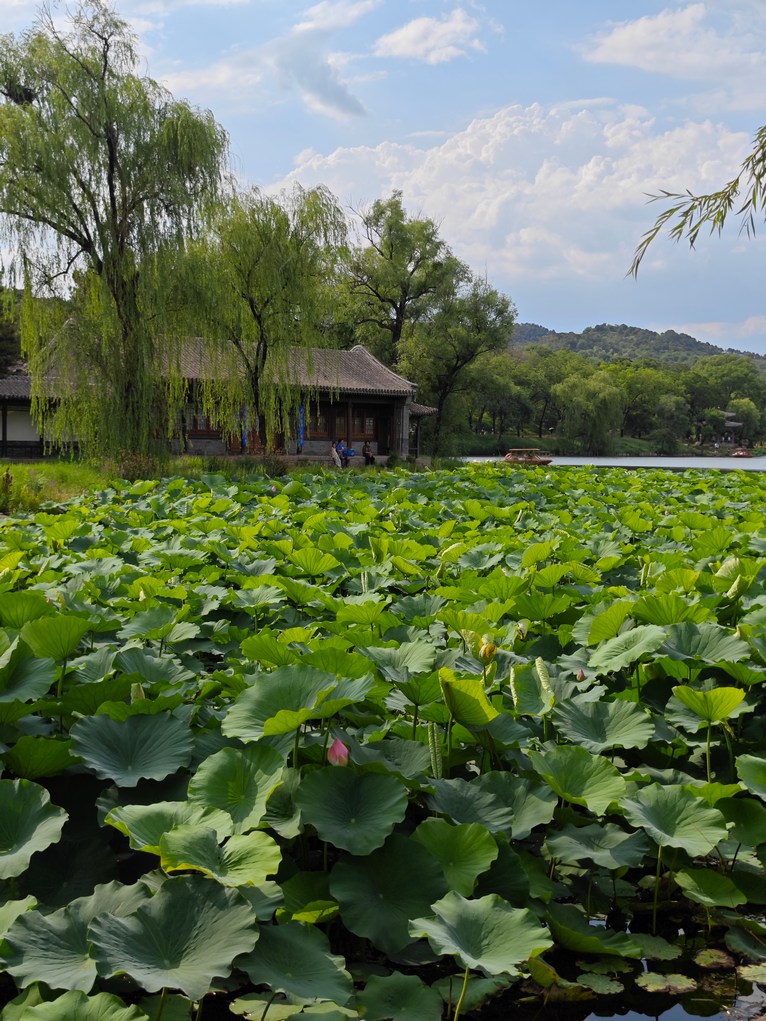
x,y
102,173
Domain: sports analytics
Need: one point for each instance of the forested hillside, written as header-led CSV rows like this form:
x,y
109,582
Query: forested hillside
x,y
609,343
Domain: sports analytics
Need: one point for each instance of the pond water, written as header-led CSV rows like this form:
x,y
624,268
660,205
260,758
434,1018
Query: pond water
x,y
757,464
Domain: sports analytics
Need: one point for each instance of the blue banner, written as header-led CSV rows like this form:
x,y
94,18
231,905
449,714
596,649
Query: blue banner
x,y
301,425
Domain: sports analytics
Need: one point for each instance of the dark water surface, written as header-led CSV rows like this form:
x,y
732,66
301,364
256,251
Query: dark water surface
x,y
756,464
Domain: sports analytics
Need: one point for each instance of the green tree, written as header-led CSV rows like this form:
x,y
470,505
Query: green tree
x,y
591,410
477,320
401,271
102,175
538,370
748,414
262,277
10,338
687,215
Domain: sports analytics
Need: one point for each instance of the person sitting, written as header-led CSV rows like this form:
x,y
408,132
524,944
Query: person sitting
x,y
343,453
369,457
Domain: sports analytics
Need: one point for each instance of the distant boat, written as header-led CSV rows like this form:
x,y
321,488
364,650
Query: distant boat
x,y
528,456
741,452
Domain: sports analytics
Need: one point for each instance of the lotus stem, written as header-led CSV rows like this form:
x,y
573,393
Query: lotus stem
x,y
707,751
459,1004
266,1008
198,1015
415,724
656,891
161,1008
295,747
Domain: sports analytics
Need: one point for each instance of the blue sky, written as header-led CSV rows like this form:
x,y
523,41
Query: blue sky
x,y
531,132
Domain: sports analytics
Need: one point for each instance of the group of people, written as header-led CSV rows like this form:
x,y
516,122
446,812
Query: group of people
x,y
341,454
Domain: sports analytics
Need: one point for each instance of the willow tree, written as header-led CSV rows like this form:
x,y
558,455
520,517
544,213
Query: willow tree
x,y
264,286
686,215
102,176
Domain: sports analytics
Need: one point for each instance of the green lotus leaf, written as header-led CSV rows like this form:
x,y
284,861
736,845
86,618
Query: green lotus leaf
x,y
751,769
571,928
295,959
313,561
422,689
33,757
706,643
23,676
145,825
710,888
238,781
599,726
605,845
188,933
28,823
676,985
603,625
55,637
355,811
150,747
365,613
398,894
485,934
464,851
11,910
748,818
54,948
77,1006
710,706
578,776
16,608
151,667
501,802
278,702
266,647
466,700
393,755
282,814
627,648
675,818
668,608
245,860
531,691
399,997
601,984
401,661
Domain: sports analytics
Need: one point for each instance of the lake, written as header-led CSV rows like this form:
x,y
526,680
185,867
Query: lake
x,y
757,464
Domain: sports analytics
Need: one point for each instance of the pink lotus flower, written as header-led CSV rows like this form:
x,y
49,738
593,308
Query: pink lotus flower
x,y
337,753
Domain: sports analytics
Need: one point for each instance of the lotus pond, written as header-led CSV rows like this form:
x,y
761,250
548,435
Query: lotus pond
x,y
384,745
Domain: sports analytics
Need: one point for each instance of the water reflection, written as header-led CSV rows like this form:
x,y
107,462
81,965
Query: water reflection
x,y
757,464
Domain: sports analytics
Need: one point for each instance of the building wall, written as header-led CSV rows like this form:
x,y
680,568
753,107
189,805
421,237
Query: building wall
x,y
21,428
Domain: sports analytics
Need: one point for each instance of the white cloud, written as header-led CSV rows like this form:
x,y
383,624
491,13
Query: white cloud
x,y
692,43
533,192
330,15
432,40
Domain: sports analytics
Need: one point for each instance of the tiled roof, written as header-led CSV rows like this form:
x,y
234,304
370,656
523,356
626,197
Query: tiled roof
x,y
353,372
421,410
16,386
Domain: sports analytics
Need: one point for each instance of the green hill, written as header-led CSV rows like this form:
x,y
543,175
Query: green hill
x,y
609,343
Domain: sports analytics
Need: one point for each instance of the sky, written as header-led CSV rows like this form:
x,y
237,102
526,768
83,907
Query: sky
x,y
533,133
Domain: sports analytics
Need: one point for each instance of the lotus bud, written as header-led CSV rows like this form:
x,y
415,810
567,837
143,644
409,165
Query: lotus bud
x,y
581,674
487,650
337,753
521,629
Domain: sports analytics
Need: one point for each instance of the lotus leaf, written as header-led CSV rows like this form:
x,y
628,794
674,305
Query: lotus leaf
x,y
76,1006
141,746
464,851
627,648
399,997
239,782
398,894
355,811
572,929
54,948
598,726
710,888
605,845
675,818
55,637
485,934
295,959
751,769
144,825
23,676
28,823
245,860
278,703
188,933
580,777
